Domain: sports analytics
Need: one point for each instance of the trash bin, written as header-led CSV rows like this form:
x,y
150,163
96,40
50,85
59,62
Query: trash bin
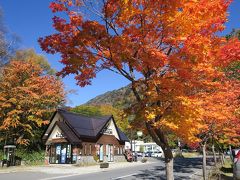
x,y
9,155
135,157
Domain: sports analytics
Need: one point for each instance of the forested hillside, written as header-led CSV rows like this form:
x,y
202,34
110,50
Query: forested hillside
x,y
120,98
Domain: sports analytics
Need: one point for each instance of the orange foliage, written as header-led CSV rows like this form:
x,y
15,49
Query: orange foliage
x,y
219,113
172,45
26,100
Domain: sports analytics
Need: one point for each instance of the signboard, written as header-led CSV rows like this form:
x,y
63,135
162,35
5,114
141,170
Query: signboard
x,y
107,130
59,135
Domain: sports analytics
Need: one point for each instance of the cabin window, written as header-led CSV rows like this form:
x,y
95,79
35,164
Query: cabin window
x,y
90,149
74,154
120,150
85,149
115,150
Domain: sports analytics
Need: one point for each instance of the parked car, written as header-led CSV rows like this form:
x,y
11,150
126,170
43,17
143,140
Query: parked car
x,y
148,154
139,154
157,154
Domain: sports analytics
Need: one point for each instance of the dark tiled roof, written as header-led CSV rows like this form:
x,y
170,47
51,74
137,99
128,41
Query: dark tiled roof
x,y
88,126
85,127
123,137
68,133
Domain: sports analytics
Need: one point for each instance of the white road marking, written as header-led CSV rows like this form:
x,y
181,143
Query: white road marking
x,y
59,177
124,176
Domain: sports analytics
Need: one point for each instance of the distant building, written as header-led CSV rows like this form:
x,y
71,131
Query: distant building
x,y
139,146
72,138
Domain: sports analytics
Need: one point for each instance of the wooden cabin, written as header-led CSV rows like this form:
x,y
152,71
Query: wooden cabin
x,y
72,138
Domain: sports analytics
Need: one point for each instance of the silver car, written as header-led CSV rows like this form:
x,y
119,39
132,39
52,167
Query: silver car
x,y
157,154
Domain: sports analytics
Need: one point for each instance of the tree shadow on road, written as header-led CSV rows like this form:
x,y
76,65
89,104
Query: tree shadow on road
x,y
183,169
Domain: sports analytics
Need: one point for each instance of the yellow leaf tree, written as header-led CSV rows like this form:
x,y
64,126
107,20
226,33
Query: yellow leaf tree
x,y
27,98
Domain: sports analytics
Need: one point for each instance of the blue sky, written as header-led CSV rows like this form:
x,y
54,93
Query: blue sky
x,y
31,19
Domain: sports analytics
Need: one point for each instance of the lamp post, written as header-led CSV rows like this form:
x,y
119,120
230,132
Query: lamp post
x,y
130,119
139,134
179,148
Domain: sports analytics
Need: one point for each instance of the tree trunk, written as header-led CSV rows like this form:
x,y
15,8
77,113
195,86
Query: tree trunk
x,y
169,163
220,157
223,158
169,170
230,151
158,136
204,162
214,155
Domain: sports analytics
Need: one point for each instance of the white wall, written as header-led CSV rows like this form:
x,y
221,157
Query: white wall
x,y
54,135
112,127
56,118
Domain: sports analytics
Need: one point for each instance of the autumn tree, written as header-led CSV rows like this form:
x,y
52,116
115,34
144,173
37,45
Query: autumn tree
x,y
29,55
219,107
218,112
27,99
168,50
233,70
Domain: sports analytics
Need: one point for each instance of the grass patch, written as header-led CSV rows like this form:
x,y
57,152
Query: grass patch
x,y
222,172
227,168
190,154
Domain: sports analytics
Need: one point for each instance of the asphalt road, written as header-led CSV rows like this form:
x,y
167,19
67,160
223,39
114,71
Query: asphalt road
x,y
183,169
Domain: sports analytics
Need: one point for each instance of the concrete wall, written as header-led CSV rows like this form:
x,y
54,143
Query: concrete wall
x,y
119,158
89,160
85,160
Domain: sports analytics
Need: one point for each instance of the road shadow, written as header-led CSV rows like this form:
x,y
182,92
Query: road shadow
x,y
224,177
183,169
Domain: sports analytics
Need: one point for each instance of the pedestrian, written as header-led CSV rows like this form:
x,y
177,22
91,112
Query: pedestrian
x,y
236,166
237,157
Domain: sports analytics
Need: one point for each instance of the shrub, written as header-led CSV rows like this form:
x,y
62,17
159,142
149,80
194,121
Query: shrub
x,y
144,160
96,158
31,158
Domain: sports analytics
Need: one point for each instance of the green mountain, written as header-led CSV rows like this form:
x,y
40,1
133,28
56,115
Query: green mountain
x,y
120,98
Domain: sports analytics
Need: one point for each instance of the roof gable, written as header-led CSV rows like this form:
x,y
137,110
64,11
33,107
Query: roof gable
x,y
61,131
55,118
76,126
110,129
56,133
